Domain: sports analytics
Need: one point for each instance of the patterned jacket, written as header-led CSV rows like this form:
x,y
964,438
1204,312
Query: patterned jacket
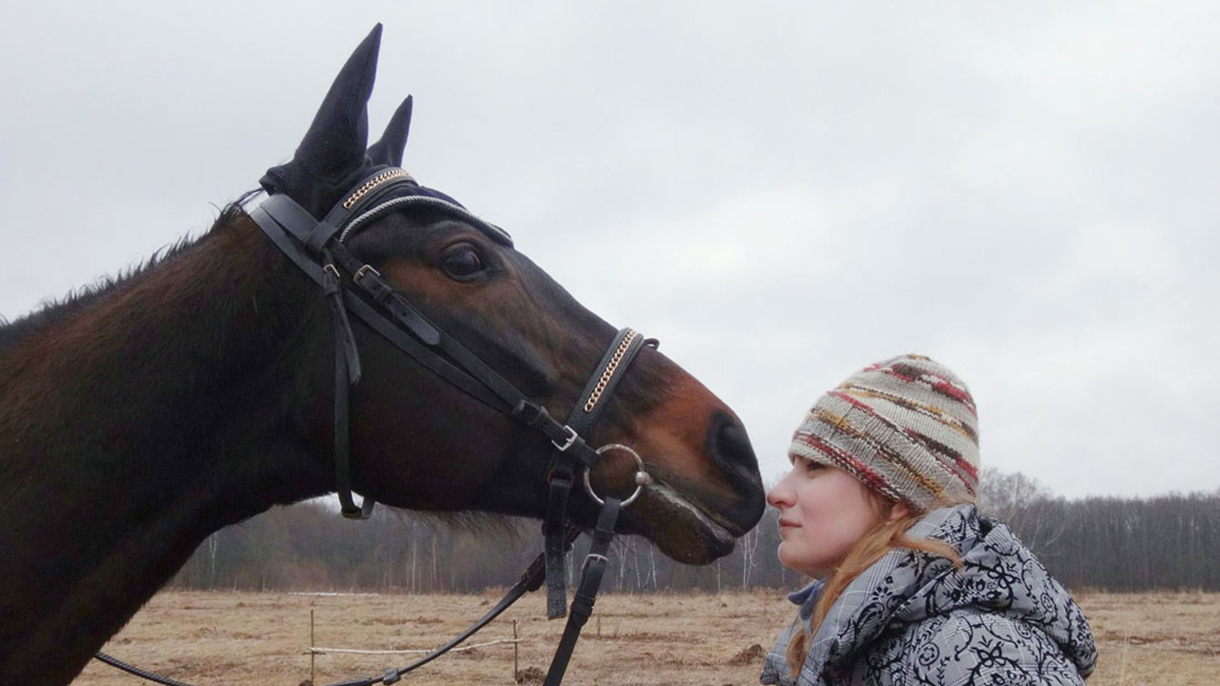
x,y
912,618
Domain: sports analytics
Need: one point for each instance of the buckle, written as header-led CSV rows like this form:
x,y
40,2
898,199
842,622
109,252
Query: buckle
x,y
568,443
330,267
589,559
360,273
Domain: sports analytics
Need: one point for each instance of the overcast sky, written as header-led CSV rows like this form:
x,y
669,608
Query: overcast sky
x,y
781,192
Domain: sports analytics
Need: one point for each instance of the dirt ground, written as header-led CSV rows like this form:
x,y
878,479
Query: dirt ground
x,y
248,639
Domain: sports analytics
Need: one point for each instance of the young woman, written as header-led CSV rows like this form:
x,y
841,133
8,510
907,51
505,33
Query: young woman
x,y
911,585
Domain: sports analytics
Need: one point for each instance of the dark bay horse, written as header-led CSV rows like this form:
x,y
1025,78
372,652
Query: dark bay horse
x,y
138,418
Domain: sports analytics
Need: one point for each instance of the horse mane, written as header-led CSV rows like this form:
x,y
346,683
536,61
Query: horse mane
x,y
84,297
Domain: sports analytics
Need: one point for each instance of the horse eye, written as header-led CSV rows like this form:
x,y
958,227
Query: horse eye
x,y
462,263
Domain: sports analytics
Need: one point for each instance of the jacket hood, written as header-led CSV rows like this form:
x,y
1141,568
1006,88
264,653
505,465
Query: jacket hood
x,y
1000,576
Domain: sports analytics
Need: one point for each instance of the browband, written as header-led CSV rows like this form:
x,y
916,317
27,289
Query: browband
x,y
378,194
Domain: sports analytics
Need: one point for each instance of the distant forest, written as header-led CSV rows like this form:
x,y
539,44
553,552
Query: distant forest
x,y
1111,544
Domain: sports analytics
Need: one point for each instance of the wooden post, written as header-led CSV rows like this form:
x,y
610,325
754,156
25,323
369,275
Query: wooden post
x,y
515,646
599,627
311,646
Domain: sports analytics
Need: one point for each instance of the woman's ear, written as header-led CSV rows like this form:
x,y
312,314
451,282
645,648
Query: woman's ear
x,y
898,511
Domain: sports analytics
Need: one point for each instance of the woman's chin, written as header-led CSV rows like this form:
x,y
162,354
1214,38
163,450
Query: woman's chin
x,y
786,558
793,560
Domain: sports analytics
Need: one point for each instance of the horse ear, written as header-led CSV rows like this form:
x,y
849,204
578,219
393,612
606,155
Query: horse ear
x,y
331,158
390,148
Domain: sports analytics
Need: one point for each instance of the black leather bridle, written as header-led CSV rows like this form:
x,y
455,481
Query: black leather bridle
x,y
350,285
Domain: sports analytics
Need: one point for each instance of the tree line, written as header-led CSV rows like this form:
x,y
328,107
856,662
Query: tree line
x,y
1112,544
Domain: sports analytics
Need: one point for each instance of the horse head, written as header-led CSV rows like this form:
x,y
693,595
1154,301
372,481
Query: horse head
x,y
419,441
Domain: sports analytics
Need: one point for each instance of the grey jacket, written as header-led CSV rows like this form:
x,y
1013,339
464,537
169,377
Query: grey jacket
x,y
912,618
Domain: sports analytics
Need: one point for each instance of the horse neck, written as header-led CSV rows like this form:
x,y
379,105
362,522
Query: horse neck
x,y
134,426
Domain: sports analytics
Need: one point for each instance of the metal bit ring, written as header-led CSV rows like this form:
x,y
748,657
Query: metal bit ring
x,y
642,478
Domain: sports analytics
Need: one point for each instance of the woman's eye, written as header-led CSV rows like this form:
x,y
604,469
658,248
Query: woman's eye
x,y
462,263
807,464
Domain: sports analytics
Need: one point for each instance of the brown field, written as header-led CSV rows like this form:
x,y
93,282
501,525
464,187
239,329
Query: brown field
x,y
248,639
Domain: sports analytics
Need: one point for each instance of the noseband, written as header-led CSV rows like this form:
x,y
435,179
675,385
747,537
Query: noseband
x,y
350,285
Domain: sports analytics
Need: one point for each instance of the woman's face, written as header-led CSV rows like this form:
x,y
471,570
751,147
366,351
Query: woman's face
x,y
823,511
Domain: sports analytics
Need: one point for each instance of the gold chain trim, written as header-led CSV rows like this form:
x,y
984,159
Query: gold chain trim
x,y
609,373
373,183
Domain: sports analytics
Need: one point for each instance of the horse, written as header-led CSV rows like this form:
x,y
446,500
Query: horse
x,y
142,415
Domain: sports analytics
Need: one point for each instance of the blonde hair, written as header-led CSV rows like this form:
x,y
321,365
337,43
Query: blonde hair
x,y
886,535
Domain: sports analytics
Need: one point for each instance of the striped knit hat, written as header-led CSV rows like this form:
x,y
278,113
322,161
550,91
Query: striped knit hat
x,y
905,427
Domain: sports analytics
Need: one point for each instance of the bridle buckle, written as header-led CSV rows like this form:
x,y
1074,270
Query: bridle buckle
x,y
571,439
361,272
590,558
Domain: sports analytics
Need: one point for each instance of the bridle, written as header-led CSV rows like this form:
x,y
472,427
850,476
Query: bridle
x,y
351,286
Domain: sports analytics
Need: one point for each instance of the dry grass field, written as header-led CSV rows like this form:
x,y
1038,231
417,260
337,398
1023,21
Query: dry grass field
x,y
248,639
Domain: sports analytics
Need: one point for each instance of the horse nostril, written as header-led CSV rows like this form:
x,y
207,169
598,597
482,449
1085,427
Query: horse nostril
x,y
732,449
732,452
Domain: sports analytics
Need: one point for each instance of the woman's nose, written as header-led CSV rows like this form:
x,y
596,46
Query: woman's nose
x,y
780,494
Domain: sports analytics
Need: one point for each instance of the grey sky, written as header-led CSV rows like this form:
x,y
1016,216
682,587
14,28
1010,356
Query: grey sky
x,y
781,192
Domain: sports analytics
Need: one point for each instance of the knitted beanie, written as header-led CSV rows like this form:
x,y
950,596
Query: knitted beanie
x,y
905,427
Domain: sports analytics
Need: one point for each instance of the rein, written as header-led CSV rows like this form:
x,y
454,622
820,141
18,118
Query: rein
x,y
317,248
